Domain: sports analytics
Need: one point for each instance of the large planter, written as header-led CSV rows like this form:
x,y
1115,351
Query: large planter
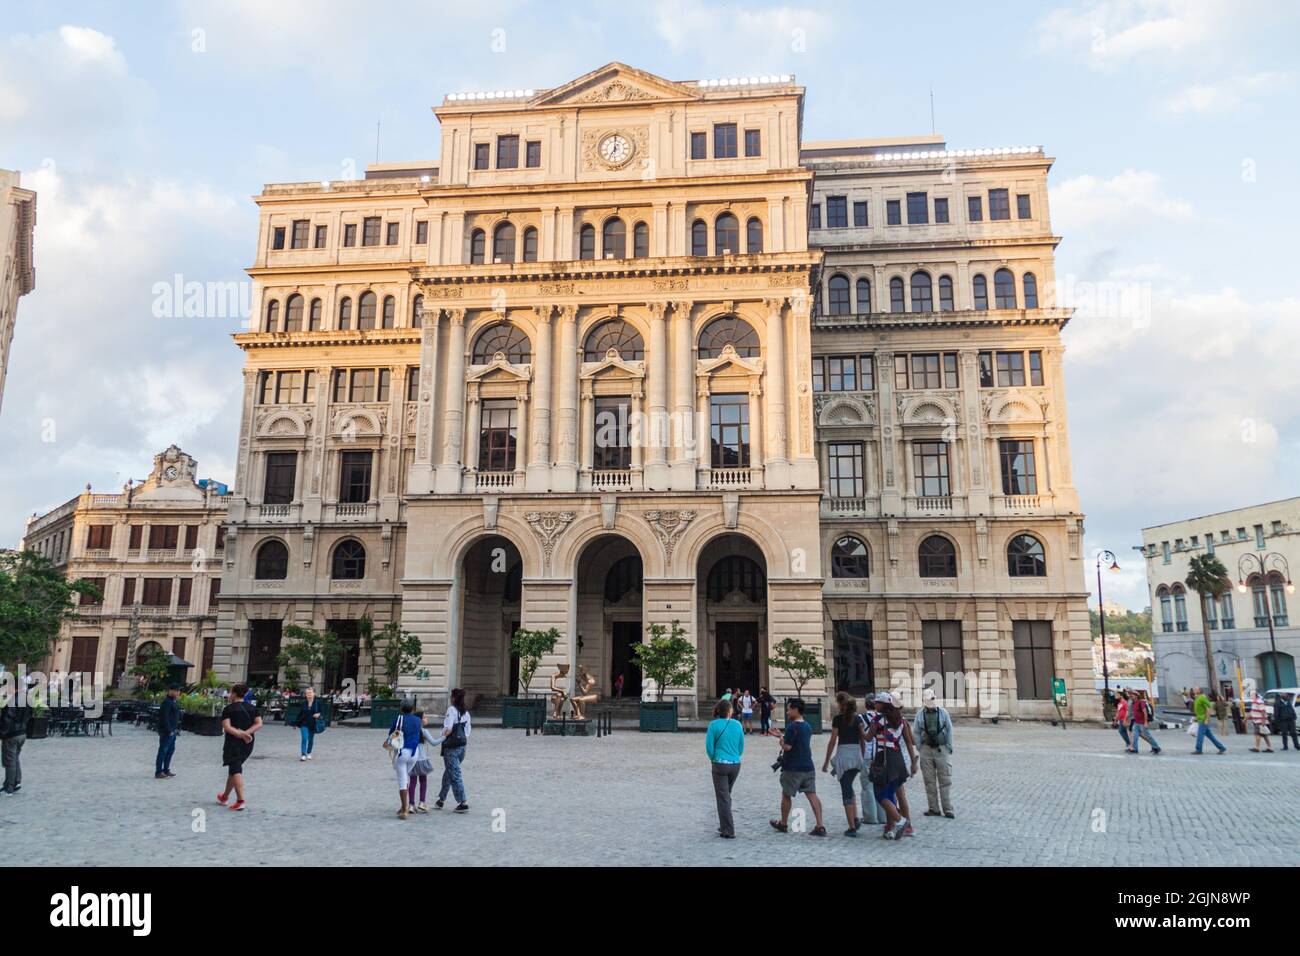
x,y
518,713
658,716
38,727
383,711
203,725
812,713
291,712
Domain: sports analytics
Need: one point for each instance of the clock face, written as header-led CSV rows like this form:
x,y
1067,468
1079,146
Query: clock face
x,y
615,149
170,473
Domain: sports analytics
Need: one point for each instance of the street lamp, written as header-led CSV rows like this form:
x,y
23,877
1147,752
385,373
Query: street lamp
x,y
1101,616
1278,565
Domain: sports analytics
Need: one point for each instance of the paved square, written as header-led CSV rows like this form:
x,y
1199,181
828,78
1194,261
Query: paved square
x,y
1025,794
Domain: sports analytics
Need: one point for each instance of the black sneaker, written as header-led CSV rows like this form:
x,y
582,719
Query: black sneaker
x,y
437,804
461,808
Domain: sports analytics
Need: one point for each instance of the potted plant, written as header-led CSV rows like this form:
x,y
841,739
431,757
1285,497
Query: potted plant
x,y
38,723
668,659
201,714
400,651
530,647
801,665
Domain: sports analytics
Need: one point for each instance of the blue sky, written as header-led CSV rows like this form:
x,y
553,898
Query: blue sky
x,y
146,128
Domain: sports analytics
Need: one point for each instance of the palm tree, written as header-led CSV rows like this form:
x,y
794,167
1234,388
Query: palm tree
x,y
1207,576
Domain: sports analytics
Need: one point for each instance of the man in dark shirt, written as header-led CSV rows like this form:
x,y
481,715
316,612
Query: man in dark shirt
x,y
169,727
239,721
798,772
13,734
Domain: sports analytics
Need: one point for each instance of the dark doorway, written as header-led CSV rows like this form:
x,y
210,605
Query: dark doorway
x,y
736,650
512,688
625,635
852,643
263,649
349,665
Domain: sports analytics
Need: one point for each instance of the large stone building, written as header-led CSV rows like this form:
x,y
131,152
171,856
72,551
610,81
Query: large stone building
x,y
1256,546
588,370
17,223
154,552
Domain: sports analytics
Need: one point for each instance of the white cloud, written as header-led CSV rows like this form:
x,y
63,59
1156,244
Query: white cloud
x,y
1131,196
1112,32
1227,95
91,46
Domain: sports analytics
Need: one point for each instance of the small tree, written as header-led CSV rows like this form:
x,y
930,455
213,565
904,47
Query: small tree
x,y
799,663
668,658
35,599
530,647
310,650
1207,576
151,669
400,651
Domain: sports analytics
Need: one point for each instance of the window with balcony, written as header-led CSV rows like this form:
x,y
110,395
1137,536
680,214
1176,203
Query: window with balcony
x,y
862,290
587,243
844,469
930,469
611,440
157,592
613,239
503,243
497,436
354,476
367,310
726,235
477,247
837,296
1018,473
754,235
164,537
641,241
1004,289
922,292
946,303
99,537
530,244
729,431
699,238
281,471
897,295
980,293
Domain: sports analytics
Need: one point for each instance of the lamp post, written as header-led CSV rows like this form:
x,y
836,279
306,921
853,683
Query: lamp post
x,y
1101,616
1268,563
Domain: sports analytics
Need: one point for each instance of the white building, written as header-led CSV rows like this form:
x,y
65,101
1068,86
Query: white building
x,y
1257,545
17,222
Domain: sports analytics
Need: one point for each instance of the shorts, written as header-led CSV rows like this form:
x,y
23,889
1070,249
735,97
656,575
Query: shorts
x,y
747,714
233,758
794,782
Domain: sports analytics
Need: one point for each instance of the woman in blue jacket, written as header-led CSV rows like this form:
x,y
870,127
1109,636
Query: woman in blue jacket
x,y
306,722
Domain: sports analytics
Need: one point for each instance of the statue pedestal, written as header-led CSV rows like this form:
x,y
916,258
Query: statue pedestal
x,y
554,727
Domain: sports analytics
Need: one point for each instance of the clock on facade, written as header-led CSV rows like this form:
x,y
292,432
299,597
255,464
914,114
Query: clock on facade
x,y
170,473
615,149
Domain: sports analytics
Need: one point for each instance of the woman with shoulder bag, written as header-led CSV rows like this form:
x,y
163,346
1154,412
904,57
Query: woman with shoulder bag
x,y
889,769
455,737
403,741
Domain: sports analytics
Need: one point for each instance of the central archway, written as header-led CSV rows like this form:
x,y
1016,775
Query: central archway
x,y
610,589
731,583
490,582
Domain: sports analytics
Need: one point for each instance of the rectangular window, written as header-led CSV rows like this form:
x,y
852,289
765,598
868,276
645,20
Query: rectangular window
x,y
999,205
191,537
362,385
753,142
699,146
85,656
350,234
841,373
867,372
900,372
300,232
941,210
941,651
422,232
321,233
986,369
925,371
860,214
815,216
496,446
1164,551
390,237
157,592
482,155
1259,536
1209,542
89,600
370,231
893,213
133,540
950,376
611,443
99,537
1032,645
277,237
381,392
844,469
851,641
1022,206
281,468
1011,368
288,388
214,588
724,140
164,537
507,152
930,462
128,594
413,384
221,537
837,213
533,154
729,431
974,209
1018,474
183,596
918,209
354,477
1035,368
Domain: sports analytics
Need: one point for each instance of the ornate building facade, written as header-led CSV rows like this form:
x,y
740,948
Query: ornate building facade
x,y
570,374
17,223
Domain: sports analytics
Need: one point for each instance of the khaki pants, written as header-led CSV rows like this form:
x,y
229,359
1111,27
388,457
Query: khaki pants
x,y
936,768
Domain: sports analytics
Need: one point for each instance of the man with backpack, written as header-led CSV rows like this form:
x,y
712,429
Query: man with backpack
x,y
932,728
13,734
1141,715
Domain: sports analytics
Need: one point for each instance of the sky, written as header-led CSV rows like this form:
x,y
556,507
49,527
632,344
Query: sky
x,y
146,129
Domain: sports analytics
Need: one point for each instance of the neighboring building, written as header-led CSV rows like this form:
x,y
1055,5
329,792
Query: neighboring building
x,y
1114,609
1241,540
445,355
17,223
154,551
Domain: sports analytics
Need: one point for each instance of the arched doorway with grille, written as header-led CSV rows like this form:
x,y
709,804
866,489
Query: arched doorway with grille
x,y
489,594
609,596
731,582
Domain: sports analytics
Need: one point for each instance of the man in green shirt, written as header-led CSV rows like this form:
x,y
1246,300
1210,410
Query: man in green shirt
x,y
1202,708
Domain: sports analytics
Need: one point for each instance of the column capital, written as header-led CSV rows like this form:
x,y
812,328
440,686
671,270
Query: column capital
x,y
774,303
543,313
682,307
568,313
456,316
657,309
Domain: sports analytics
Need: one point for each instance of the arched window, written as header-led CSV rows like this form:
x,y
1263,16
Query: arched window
x,y
1004,289
367,306
273,316
624,576
754,235
614,334
945,294
896,303
1025,558
1166,609
613,239
293,313
1030,285
345,313
849,558
315,316
503,243
864,296
390,312
736,573
938,558
272,562
417,312
1180,608
980,292
530,244
726,234
728,330
922,292
505,338
587,242
699,238
837,296
640,241
349,563
477,247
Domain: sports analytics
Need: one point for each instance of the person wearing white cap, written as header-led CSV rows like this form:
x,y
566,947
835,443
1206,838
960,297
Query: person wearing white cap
x,y
932,728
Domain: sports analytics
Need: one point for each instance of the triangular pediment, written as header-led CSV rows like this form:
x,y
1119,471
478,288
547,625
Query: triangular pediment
x,y
615,84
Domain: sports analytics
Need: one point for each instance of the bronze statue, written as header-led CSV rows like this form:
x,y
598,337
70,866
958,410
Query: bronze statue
x,y
585,693
558,694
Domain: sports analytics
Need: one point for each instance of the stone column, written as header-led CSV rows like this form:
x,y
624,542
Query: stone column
x,y
453,406
655,433
523,410
756,423
637,415
539,456
803,468
565,474
683,467
777,471
420,480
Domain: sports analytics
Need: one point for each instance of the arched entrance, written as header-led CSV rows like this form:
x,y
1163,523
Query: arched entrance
x,y
490,588
609,597
731,581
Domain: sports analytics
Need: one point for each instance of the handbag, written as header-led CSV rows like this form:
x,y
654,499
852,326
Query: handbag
x,y
396,740
423,765
456,738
